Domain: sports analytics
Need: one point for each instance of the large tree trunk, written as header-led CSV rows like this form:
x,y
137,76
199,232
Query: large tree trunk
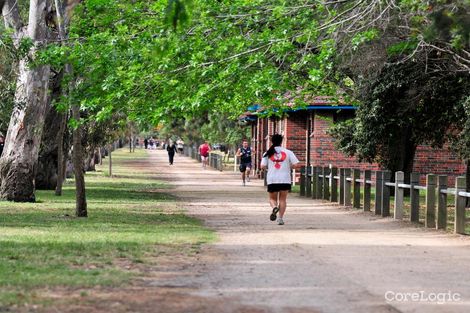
x,y
61,156
81,205
17,165
48,160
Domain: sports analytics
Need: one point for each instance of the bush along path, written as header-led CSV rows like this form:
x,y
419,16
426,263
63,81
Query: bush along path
x,y
324,259
51,261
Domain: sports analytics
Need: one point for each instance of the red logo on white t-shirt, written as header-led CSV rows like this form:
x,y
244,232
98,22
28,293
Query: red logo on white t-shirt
x,y
277,158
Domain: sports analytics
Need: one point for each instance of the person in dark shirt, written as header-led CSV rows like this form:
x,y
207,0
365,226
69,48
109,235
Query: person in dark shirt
x,y
171,149
244,152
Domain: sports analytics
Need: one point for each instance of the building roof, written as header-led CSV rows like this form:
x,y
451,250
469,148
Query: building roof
x,y
317,103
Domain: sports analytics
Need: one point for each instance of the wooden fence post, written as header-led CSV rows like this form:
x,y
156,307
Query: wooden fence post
x,y
347,187
302,181
326,183
460,202
334,185
399,196
320,183
414,197
386,175
341,186
430,220
308,182
367,187
441,203
314,182
356,188
378,192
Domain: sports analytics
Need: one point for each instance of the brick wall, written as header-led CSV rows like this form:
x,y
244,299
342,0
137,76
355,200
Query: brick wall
x,y
323,153
430,160
295,135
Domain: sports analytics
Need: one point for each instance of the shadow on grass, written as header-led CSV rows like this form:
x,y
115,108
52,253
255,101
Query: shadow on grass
x,y
105,191
42,248
116,219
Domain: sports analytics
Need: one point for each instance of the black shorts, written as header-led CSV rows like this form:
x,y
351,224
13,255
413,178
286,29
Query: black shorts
x,y
279,187
244,166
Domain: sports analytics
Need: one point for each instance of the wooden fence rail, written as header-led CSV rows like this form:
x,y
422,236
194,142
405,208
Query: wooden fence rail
x,y
345,186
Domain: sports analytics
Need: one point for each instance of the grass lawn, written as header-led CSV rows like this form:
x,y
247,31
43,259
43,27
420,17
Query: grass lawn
x,y
131,219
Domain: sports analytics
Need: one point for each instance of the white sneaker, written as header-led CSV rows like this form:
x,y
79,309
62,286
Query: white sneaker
x,y
280,221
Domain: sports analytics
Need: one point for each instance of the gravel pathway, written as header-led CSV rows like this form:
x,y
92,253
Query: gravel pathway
x,y
324,259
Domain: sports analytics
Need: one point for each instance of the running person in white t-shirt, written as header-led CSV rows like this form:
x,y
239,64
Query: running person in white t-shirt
x,y
279,162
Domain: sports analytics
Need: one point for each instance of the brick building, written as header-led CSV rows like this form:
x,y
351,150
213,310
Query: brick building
x,y
305,133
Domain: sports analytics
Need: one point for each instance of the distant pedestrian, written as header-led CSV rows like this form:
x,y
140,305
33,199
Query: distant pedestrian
x,y
180,146
244,152
171,149
146,143
151,144
279,161
204,151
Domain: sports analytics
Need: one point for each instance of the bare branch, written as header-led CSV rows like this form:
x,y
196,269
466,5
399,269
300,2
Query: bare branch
x,y
225,59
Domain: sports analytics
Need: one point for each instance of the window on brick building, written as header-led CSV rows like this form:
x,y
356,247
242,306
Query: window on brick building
x,y
282,127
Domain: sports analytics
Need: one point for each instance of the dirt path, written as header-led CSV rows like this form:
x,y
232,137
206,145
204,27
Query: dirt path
x,y
324,259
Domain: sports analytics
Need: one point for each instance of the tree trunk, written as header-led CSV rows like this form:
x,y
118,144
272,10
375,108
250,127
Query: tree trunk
x,y
90,161
18,162
48,162
61,158
110,161
20,154
81,205
467,179
100,151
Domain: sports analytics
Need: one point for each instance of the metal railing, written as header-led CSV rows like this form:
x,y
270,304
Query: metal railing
x,y
215,160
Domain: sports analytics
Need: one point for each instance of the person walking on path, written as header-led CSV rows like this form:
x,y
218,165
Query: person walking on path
x,y
204,151
171,149
180,146
146,143
279,161
244,152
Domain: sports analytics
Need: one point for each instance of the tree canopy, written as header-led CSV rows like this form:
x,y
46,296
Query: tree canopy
x,y
159,60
